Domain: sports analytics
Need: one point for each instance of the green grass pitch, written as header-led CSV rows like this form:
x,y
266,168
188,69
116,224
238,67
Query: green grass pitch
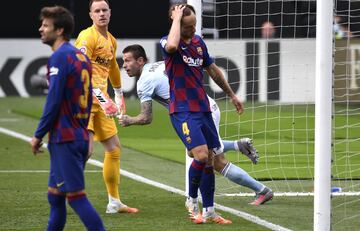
x,y
155,152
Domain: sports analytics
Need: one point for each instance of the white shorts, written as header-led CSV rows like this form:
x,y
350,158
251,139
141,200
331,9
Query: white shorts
x,y
215,113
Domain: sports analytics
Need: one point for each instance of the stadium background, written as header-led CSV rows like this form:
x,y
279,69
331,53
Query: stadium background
x,y
140,20
148,19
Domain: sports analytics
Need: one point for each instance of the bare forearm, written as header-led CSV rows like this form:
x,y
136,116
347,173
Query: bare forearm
x,y
173,37
216,74
140,119
145,116
218,77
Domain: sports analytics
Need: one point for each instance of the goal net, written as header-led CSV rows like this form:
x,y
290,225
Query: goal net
x,y
266,50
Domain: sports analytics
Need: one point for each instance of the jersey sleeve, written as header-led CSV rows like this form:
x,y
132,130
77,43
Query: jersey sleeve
x,y
163,42
145,90
57,79
114,72
86,43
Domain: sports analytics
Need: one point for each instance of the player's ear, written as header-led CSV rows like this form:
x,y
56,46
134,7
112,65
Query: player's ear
x,y
141,60
60,31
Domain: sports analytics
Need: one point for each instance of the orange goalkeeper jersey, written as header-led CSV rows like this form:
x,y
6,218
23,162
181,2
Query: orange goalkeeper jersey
x,y
102,54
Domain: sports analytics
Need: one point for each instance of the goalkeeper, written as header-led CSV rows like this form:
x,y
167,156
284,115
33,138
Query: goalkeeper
x,y
154,84
100,46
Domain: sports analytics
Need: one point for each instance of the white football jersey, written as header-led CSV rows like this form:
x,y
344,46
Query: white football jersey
x,y
153,84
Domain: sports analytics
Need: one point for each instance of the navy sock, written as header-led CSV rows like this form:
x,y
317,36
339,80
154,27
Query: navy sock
x,y
207,186
57,217
195,173
88,215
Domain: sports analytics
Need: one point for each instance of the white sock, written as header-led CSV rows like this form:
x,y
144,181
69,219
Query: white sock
x,y
113,200
208,210
193,200
236,146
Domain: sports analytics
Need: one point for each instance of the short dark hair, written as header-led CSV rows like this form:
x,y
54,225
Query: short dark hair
x,y
187,11
62,19
92,1
137,51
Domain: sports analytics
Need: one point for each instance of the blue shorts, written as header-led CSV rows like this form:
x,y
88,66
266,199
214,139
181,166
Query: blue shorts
x,y
195,129
67,164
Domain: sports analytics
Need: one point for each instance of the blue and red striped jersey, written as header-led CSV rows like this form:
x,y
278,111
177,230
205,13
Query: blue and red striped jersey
x,y
67,107
185,71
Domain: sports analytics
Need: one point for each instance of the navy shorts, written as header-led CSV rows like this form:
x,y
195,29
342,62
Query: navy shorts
x,y
195,129
67,164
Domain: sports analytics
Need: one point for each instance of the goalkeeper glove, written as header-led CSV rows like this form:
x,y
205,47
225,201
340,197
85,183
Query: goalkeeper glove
x,y
120,101
108,106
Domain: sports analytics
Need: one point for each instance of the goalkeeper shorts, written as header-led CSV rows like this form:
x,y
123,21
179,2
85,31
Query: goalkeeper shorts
x,y
102,126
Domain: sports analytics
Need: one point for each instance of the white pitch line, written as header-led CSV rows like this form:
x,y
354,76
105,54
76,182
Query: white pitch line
x,y
290,194
7,120
244,215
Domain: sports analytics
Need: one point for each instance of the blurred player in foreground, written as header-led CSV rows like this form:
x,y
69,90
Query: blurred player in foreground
x,y
153,84
100,46
65,118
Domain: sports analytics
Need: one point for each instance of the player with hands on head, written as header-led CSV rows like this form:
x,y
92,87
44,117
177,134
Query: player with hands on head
x,y
100,46
186,56
65,118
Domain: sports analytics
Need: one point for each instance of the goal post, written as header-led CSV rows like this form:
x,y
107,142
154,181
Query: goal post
x,y
323,112
198,7
300,84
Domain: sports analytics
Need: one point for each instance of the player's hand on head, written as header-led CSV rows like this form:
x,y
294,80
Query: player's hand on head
x,y
177,12
36,144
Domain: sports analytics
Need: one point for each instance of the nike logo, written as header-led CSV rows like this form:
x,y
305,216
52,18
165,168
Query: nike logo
x,y
183,48
60,184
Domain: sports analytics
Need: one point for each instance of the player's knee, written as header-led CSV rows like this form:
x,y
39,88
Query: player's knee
x,y
54,191
111,144
189,153
200,153
55,197
201,156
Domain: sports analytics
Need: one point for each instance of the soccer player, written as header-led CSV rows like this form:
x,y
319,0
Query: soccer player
x,y
100,46
153,84
65,118
186,57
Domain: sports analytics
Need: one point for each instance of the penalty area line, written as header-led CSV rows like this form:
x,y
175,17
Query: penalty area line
x,y
244,215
